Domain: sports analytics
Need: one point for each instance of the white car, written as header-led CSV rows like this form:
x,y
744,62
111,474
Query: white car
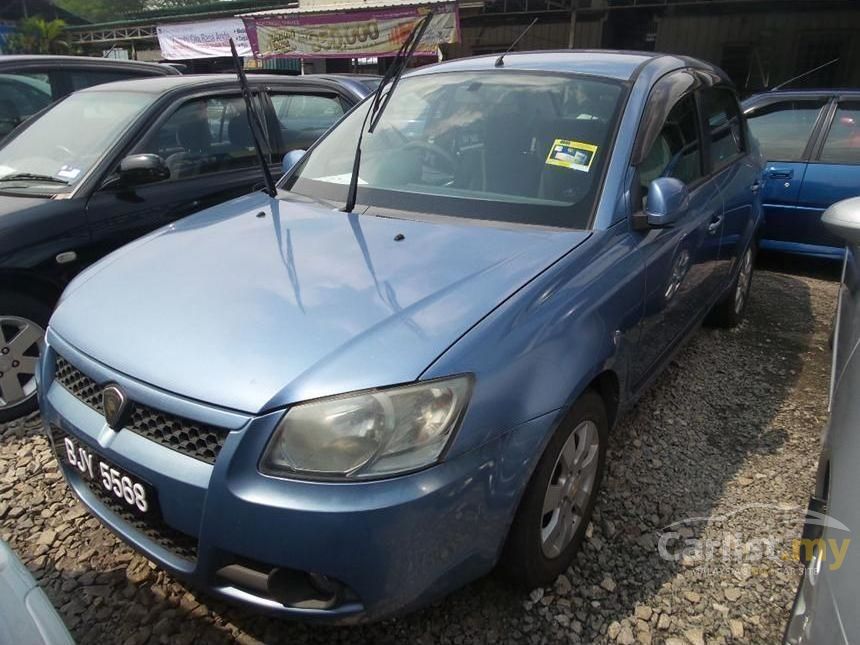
x,y
26,614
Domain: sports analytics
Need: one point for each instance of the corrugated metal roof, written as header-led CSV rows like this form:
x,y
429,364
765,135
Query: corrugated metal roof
x,y
213,10
345,5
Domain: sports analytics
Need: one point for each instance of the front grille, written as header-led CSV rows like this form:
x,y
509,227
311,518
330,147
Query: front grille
x,y
190,438
177,542
79,384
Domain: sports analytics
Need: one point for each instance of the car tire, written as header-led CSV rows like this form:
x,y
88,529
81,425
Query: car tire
x,y
23,318
535,554
729,311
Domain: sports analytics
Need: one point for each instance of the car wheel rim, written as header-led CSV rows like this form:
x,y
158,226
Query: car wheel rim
x,y
20,348
570,489
744,278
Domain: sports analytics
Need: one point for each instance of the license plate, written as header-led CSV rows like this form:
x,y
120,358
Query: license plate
x,y
129,490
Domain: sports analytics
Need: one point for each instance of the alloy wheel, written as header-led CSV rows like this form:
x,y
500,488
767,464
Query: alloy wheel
x,y
20,348
744,277
570,489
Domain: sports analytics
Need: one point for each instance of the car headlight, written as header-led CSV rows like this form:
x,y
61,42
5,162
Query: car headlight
x,y
368,434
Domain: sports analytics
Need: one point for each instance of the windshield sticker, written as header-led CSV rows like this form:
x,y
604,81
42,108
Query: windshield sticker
x,y
571,154
67,172
341,179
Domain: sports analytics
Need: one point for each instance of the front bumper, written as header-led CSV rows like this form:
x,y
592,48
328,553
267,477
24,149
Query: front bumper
x,y
393,544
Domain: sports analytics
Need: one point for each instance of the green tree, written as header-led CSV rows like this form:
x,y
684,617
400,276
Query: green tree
x,y
35,35
111,10
102,10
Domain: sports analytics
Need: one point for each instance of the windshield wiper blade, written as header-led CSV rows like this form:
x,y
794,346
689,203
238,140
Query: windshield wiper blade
x,y
258,134
34,177
379,102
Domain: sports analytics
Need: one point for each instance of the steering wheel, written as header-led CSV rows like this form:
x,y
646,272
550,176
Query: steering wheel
x,y
440,153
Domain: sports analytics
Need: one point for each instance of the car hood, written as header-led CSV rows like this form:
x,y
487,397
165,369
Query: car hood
x,y
263,302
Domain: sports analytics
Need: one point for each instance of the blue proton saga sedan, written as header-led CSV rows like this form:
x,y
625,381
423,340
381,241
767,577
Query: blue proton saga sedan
x,y
350,397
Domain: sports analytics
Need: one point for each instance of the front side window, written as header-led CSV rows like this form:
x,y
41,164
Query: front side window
x,y
723,124
204,136
506,146
843,140
783,129
676,151
57,150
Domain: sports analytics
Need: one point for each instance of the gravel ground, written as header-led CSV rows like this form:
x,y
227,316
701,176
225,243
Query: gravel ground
x,y
731,427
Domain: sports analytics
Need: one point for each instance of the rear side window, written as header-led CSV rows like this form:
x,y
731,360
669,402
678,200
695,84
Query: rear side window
x,y
20,98
723,125
304,117
676,151
843,140
783,129
79,79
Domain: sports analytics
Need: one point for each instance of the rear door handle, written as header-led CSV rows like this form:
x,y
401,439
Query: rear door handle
x,y
780,173
715,224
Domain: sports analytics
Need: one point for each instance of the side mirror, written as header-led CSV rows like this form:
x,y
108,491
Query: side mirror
x,y
843,219
136,170
668,200
291,159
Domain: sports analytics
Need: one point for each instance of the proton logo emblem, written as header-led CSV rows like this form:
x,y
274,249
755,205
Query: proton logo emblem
x,y
115,406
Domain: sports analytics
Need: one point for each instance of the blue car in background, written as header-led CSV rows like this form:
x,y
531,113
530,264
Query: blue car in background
x,y
340,415
811,140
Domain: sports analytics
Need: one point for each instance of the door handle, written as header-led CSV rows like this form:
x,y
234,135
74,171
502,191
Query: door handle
x,y
715,224
780,173
756,186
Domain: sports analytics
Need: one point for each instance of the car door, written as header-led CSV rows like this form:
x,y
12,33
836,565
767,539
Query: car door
x,y
833,173
784,129
679,259
737,175
206,144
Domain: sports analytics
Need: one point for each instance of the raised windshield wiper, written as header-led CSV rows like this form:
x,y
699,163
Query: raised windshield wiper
x,y
379,102
33,177
254,122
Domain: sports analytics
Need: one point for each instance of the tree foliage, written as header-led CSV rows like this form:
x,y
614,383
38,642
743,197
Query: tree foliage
x,y
35,35
102,10
110,10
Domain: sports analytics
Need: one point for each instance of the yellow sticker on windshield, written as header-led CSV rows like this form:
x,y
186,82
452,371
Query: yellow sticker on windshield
x,y
571,154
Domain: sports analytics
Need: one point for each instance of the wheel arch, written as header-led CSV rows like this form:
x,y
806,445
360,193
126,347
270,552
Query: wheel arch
x,y
30,284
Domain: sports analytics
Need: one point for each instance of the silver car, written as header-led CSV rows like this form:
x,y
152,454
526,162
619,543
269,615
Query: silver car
x,y
826,608
26,614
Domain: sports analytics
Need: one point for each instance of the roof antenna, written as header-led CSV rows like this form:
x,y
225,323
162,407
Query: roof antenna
x,y
798,77
500,61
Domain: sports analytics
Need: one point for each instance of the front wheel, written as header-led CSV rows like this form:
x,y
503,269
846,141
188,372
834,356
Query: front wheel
x,y
22,331
556,508
729,312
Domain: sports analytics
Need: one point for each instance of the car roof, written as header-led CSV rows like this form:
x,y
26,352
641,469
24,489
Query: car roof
x,y
14,60
164,84
617,64
802,93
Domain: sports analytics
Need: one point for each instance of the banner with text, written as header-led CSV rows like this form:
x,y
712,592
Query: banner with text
x,y
208,39
350,35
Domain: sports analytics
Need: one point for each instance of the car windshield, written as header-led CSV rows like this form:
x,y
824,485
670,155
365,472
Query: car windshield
x,y
510,146
56,151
